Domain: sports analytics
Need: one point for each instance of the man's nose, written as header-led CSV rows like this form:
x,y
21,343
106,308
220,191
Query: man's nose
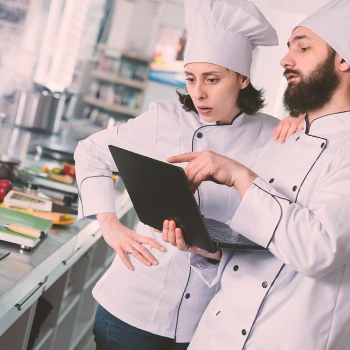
x,y
287,61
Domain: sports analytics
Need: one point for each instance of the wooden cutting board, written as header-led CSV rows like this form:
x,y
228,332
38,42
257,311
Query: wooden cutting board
x,y
10,216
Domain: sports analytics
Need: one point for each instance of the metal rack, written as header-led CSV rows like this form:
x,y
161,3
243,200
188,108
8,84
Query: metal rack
x,y
118,83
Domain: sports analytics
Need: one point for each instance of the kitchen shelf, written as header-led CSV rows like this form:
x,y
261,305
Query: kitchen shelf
x,y
64,331
44,340
129,54
68,304
117,87
111,107
96,274
115,79
80,331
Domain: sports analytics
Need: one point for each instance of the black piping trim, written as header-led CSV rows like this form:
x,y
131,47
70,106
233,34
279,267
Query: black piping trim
x,y
307,125
326,115
81,203
79,193
281,214
326,141
193,138
178,309
286,199
321,138
267,292
208,126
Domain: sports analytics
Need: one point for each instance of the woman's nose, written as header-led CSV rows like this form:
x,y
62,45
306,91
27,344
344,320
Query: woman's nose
x,y
199,92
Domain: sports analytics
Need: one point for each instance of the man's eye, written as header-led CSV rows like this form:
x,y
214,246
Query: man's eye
x,y
303,49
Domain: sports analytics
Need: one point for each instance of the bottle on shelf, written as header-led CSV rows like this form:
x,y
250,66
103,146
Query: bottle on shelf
x,y
119,94
126,70
119,82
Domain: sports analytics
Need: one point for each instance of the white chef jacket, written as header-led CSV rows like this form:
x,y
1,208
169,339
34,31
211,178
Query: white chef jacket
x,y
296,295
167,299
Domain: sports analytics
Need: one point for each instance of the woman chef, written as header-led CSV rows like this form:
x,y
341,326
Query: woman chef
x,y
159,306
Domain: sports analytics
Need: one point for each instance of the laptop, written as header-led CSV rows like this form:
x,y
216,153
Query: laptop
x,y
161,191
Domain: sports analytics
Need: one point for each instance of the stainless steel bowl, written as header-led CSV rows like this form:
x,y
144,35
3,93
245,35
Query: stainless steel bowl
x,y
8,167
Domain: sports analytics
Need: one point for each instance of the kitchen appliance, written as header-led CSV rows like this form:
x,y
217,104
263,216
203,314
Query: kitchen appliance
x,y
57,152
38,109
8,167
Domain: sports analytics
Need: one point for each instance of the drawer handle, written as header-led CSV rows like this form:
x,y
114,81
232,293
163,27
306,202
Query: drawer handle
x,y
40,285
66,262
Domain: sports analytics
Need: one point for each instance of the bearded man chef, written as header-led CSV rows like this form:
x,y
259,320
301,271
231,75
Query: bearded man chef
x,y
296,203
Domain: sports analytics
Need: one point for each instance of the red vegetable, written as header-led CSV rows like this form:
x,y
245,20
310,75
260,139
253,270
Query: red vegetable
x,y
69,170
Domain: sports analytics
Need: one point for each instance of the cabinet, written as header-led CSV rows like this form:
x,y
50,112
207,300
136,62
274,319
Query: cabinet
x,y
58,313
117,88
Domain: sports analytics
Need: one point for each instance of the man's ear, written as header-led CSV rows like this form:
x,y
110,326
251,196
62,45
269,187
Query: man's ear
x,y
244,81
343,65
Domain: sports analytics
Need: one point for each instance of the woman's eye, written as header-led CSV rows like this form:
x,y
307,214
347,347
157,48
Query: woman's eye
x,y
213,80
190,80
303,49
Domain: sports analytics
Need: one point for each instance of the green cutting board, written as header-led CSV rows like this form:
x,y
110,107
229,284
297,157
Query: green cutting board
x,y
9,216
37,172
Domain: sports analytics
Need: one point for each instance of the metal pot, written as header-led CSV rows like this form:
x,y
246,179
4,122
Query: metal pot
x,y
8,167
39,109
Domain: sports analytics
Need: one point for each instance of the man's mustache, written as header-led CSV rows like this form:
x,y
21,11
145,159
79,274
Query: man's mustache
x,y
292,71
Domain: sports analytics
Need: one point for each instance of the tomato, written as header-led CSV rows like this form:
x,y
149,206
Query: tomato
x,y
69,170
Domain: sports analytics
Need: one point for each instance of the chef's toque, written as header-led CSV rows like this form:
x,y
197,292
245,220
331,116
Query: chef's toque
x,y
332,23
225,32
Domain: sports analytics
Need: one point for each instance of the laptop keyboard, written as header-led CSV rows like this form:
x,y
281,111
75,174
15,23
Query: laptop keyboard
x,y
221,235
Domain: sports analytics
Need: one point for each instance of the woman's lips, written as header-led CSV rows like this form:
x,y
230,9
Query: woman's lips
x,y
204,110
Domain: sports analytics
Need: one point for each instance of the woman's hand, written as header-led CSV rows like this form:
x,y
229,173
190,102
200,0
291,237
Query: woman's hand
x,y
174,236
125,241
287,127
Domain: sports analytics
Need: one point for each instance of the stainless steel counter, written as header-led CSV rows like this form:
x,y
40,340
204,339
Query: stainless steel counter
x,y
22,270
22,273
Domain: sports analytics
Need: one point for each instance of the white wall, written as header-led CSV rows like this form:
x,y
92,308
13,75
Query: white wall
x,y
284,15
118,35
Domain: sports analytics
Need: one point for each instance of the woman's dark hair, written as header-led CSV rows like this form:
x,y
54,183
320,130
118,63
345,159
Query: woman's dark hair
x,y
250,100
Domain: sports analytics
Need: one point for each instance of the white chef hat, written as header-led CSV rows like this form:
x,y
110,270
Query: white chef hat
x,y
225,32
332,23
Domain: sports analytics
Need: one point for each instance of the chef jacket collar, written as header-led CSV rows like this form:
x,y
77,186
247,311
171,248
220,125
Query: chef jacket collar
x,y
328,121
236,120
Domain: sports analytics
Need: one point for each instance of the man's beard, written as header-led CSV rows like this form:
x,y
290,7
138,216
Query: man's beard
x,y
312,92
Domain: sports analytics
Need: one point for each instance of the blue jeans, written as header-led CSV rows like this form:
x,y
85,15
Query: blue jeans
x,y
113,334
